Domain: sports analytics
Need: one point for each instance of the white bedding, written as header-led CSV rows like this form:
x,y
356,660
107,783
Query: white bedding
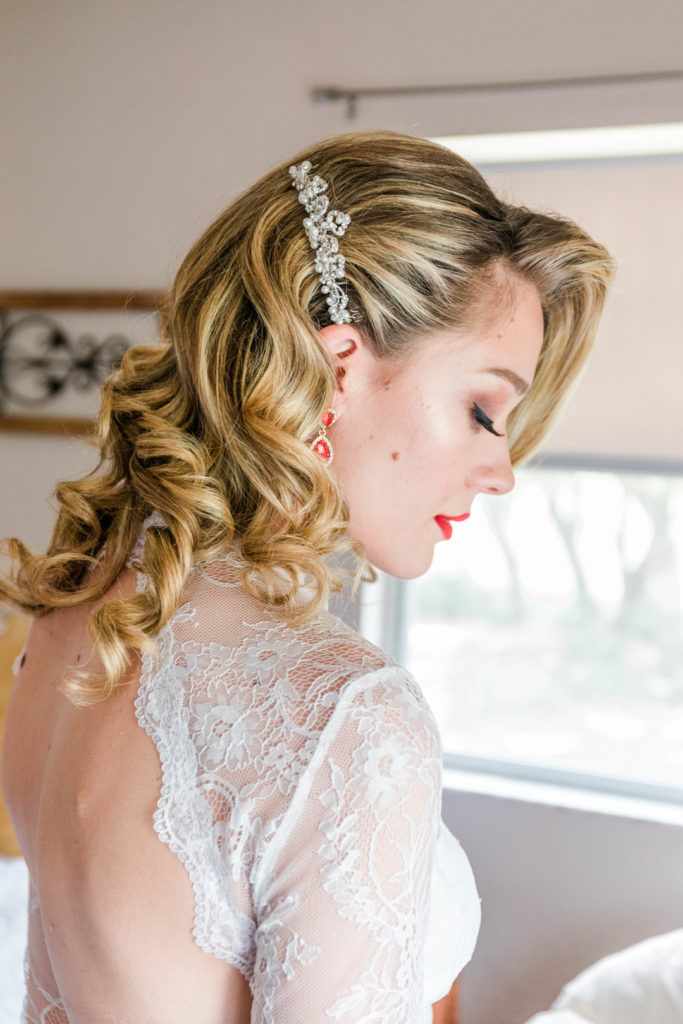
x,y
640,985
13,895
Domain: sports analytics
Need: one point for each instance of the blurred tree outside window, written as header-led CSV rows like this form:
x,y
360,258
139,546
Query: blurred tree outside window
x,y
549,630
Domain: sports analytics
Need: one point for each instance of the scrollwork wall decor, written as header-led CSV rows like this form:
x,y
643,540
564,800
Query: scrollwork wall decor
x,y
38,359
57,348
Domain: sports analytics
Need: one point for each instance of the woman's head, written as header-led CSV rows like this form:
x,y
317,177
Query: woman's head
x,y
430,252
212,427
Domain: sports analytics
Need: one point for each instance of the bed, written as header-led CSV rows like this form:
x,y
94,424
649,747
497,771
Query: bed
x,y
640,985
13,890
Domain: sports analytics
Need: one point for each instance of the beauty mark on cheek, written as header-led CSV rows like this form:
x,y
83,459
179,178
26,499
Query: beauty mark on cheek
x,y
396,456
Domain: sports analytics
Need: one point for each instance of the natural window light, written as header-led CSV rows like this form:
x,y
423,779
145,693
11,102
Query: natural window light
x,y
614,141
547,635
548,630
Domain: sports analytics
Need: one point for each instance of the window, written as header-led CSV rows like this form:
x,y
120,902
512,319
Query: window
x,y
547,633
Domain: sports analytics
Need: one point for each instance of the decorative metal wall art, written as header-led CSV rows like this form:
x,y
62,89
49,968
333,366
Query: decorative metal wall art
x,y
57,348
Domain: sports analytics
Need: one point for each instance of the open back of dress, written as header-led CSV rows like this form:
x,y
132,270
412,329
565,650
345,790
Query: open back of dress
x,y
300,789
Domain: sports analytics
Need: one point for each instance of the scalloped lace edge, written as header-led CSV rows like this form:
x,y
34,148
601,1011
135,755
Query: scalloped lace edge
x,y
185,797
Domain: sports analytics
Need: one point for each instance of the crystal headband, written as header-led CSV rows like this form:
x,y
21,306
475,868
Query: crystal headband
x,y
323,229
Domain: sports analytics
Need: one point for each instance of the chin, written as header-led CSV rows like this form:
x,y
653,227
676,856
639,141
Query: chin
x,y
402,565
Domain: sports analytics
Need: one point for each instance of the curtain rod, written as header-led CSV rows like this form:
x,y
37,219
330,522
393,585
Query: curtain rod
x,y
336,94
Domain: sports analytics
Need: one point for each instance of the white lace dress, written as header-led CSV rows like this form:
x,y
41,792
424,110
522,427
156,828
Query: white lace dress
x,y
302,792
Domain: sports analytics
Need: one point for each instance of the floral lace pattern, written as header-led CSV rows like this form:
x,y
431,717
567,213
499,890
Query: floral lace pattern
x,y
296,754
301,790
39,1006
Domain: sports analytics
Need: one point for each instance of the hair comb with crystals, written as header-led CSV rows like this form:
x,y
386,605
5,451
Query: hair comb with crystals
x,y
323,228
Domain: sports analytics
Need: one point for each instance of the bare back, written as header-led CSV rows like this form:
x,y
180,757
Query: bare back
x,y
110,927
293,776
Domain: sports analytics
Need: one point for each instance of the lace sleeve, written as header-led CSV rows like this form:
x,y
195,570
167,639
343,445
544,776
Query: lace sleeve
x,y
343,895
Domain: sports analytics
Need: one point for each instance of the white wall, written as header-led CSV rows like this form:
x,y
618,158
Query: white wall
x,y
561,886
126,126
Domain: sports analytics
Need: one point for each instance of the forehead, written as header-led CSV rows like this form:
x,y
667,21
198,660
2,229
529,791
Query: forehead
x,y
507,338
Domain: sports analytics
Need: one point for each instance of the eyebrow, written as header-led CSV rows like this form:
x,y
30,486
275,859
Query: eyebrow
x,y
518,383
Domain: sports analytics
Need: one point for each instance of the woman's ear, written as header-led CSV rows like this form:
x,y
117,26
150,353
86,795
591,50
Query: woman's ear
x,y
353,362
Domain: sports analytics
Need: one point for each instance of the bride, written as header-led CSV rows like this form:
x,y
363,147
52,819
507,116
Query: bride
x,y
229,801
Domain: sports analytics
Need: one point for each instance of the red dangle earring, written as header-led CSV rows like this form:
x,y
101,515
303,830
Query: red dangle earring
x,y
322,446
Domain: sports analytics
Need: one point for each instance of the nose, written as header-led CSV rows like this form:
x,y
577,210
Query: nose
x,y
495,476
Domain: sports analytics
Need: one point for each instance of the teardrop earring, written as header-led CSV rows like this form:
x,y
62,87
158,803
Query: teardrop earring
x,y
322,445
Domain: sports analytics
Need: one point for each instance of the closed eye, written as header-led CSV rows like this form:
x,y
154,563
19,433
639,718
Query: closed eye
x,y
483,420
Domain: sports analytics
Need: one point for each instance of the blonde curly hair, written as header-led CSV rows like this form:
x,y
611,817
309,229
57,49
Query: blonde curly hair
x,y
211,426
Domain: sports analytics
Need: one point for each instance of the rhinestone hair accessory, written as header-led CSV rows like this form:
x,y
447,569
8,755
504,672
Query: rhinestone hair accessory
x,y
323,228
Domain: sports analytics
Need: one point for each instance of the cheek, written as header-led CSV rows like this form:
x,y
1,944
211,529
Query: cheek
x,y
408,441
448,450
430,459
441,433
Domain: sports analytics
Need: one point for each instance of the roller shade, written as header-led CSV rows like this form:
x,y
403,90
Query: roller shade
x,y
629,404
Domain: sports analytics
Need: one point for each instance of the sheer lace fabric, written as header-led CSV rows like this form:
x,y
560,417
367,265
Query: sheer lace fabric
x,y
301,791
40,1005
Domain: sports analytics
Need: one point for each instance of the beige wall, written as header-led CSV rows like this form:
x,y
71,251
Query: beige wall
x,y
629,403
125,126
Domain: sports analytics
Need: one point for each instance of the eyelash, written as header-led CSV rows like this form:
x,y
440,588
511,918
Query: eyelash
x,y
483,420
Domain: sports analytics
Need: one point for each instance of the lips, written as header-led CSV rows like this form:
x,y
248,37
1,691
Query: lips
x,y
446,527
445,523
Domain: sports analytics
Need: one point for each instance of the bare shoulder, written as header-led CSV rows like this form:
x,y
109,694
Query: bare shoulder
x,y
42,724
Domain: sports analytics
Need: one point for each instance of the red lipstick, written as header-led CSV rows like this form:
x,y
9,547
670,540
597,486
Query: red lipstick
x,y
445,523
